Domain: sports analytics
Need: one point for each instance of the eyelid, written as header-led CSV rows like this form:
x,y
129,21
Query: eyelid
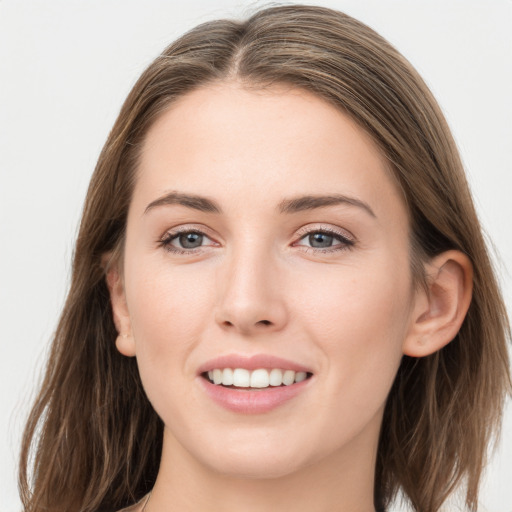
x,y
171,234
345,238
326,228
189,228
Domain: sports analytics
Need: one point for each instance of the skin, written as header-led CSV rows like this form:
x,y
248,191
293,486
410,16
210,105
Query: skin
x,y
257,286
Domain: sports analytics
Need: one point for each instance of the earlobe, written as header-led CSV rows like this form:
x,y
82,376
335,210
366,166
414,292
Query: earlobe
x,y
125,345
124,341
441,308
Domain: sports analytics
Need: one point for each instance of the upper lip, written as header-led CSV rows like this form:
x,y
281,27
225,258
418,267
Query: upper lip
x,y
253,362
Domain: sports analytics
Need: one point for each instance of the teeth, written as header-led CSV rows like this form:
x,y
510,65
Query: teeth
x,y
217,376
300,376
241,378
261,378
227,377
276,377
288,377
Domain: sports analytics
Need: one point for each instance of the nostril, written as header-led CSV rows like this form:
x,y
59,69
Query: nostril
x,y
265,322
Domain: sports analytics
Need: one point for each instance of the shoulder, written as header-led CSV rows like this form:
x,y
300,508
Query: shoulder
x,y
133,508
138,507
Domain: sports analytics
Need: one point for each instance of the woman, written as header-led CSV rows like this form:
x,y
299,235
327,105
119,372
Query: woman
x,y
281,298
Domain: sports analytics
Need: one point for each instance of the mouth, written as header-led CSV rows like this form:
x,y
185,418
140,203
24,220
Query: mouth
x,y
258,379
254,384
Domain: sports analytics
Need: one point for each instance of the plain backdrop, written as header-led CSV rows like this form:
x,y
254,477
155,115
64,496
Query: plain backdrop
x,y
67,65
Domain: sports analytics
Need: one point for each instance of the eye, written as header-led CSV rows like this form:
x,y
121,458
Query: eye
x,y
191,241
185,241
326,240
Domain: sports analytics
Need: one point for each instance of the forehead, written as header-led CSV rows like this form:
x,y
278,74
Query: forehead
x,y
260,145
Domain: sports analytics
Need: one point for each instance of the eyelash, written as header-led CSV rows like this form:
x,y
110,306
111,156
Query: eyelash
x,y
345,242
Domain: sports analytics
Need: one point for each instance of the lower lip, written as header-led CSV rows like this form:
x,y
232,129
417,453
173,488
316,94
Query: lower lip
x,y
252,401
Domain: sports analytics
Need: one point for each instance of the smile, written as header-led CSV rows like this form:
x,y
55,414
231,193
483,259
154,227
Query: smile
x,y
259,378
253,384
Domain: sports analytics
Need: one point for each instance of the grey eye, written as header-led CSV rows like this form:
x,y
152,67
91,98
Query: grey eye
x,y
190,240
320,240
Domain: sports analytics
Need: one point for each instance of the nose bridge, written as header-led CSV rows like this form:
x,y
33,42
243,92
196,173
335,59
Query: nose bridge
x,y
250,298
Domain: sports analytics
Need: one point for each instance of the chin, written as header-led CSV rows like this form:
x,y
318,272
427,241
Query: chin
x,y
261,457
259,468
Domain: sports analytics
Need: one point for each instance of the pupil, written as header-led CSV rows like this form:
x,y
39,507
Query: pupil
x,y
320,240
191,240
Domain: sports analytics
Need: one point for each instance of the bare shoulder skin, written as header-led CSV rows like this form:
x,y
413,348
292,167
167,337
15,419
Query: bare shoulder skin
x,y
137,507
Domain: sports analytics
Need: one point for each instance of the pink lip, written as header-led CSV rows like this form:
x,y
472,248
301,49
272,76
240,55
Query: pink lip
x,y
251,363
252,401
247,400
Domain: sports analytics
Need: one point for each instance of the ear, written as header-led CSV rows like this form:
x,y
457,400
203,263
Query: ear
x,y
124,342
440,309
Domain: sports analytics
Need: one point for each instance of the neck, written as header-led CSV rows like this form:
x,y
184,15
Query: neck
x,y
342,481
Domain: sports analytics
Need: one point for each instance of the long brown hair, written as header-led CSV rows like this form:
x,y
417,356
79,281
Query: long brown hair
x,y
93,441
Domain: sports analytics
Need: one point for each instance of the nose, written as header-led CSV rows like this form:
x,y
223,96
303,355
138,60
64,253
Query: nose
x,y
251,295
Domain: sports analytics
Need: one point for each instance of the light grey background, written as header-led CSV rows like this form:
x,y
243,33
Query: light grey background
x,y
65,68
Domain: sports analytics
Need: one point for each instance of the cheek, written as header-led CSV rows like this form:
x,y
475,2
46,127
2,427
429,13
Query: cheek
x,y
350,301
359,319
168,311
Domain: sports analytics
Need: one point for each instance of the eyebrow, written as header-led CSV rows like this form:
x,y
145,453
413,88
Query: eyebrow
x,y
303,203
203,204
288,206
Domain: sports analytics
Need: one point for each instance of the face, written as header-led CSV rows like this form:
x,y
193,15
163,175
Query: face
x,y
265,236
